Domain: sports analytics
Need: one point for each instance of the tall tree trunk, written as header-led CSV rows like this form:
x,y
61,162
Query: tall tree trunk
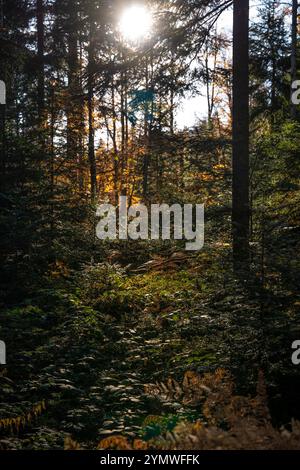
x,y
81,158
240,192
75,104
146,138
210,78
40,51
148,123
52,157
3,141
294,54
123,188
91,63
271,22
72,83
115,145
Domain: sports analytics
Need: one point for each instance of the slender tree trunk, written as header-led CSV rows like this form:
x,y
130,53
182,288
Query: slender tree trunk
x,y
2,128
240,193
294,54
272,19
123,134
149,108
75,102
209,107
72,97
115,145
92,159
172,95
146,156
81,119
52,156
3,145
40,51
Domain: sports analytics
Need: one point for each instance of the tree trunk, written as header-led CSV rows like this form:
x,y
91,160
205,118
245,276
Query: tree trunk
x,y
123,134
75,102
40,52
240,193
81,146
115,144
92,159
72,83
2,145
294,54
146,140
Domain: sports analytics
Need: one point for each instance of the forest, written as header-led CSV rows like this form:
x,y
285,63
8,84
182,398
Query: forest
x,y
152,341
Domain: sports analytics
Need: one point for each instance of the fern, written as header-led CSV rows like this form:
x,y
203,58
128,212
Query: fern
x,y
20,422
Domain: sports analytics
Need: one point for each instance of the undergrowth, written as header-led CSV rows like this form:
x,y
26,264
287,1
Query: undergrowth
x,y
98,356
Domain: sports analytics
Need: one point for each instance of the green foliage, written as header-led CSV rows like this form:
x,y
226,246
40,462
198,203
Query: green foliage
x,y
97,279
88,323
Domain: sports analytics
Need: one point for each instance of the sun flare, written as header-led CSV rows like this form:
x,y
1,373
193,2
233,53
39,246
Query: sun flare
x,y
136,23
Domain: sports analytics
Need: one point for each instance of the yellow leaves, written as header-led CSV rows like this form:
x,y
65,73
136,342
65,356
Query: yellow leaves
x,y
135,200
114,443
58,270
191,379
248,421
138,444
70,444
195,388
18,423
121,443
205,176
193,428
220,167
197,426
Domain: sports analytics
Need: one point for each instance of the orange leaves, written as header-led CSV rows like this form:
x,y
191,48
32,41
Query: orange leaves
x,y
58,270
114,443
70,444
121,443
205,176
18,423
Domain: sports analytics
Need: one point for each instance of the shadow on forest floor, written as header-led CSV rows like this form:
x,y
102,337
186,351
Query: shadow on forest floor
x,y
84,347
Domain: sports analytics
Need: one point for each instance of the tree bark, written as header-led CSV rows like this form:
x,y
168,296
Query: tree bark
x,y
240,190
91,152
40,51
146,139
75,102
294,54
72,82
2,145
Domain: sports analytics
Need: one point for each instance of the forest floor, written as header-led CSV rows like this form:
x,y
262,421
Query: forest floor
x,y
83,349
